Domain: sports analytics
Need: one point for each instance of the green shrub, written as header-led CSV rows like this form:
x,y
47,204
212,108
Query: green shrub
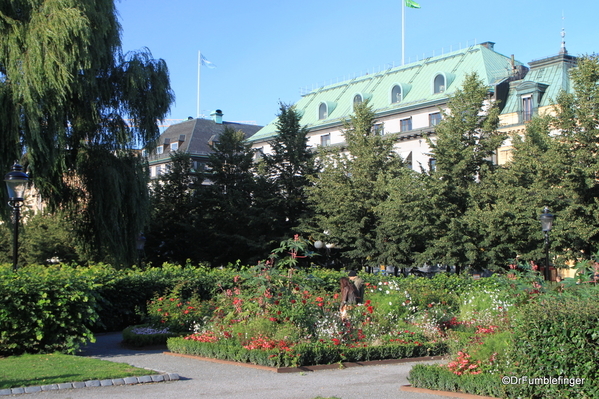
x,y
305,354
45,309
440,378
558,335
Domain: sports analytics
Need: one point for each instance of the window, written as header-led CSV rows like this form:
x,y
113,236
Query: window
x,y
144,153
439,84
325,140
174,146
357,100
396,95
526,108
322,111
378,129
405,125
258,154
158,170
408,161
159,149
434,119
432,164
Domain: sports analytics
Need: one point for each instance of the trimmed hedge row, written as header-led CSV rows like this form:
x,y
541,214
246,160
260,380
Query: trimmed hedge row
x,y
302,354
440,378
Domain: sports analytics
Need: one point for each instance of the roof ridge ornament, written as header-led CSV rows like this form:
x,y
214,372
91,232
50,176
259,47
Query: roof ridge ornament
x,y
563,48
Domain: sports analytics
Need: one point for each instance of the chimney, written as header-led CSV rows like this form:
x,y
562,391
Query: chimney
x,y
489,45
217,116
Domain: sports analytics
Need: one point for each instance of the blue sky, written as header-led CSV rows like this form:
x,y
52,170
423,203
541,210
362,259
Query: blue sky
x,y
268,51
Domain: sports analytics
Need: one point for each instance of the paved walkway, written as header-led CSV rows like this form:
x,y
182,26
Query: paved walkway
x,y
203,379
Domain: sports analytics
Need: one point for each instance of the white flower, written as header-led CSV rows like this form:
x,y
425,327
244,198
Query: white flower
x,y
390,303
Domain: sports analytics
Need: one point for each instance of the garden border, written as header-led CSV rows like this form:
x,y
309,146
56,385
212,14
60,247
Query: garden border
x,y
449,394
310,368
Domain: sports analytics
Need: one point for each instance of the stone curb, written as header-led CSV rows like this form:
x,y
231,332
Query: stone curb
x,y
459,395
94,383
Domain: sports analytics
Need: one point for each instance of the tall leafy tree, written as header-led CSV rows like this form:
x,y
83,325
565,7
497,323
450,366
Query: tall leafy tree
x,y
467,138
352,183
76,106
289,166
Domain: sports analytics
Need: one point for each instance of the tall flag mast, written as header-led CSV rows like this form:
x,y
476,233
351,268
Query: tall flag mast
x,y
202,61
410,4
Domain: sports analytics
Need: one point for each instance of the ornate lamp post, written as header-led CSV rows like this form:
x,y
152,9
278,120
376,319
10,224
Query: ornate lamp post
x,y
16,183
546,219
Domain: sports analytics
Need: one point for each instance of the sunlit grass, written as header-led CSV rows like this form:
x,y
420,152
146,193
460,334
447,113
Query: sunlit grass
x,y
32,370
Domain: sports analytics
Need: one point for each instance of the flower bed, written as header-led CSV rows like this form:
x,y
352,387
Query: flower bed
x,y
144,335
275,354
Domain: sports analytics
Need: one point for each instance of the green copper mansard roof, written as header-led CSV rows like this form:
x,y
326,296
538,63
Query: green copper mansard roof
x,y
417,83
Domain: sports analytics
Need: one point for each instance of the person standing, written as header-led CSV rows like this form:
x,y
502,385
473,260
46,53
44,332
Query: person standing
x,y
349,295
359,284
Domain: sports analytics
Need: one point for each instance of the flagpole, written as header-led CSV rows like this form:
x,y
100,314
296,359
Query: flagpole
x,y
403,33
199,67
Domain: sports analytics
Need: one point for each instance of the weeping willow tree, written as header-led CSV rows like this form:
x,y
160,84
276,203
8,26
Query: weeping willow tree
x,y
73,107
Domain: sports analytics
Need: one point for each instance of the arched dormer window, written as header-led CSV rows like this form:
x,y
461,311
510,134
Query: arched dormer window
x,y
396,94
439,84
357,99
322,111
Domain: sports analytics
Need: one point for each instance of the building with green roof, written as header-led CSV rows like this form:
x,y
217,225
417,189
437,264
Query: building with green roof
x,y
407,100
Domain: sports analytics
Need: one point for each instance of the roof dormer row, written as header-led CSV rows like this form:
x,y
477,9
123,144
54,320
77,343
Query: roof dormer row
x,y
397,94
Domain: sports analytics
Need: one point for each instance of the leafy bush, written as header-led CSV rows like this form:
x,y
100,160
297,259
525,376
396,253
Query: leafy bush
x,y
557,336
45,309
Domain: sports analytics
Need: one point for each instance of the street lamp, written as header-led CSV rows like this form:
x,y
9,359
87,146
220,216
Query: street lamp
x,y
16,183
546,219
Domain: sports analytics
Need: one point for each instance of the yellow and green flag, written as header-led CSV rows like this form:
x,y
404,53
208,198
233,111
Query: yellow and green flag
x,y
411,4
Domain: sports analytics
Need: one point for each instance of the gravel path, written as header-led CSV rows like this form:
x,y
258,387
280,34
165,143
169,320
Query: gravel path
x,y
202,379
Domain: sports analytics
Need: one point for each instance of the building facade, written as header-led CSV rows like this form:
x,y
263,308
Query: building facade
x,y
409,100
194,137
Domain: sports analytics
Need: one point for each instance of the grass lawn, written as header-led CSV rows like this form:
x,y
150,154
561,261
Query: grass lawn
x,y
31,370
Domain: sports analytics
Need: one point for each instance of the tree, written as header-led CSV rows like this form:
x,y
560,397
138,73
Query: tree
x,y
232,226
172,236
467,138
76,106
555,164
352,183
288,167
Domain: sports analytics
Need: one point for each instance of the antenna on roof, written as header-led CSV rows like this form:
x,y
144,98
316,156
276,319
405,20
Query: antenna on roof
x,y
563,49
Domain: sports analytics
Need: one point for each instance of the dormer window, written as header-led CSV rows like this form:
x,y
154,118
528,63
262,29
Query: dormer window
x,y
159,149
527,109
322,111
357,100
396,94
174,146
439,84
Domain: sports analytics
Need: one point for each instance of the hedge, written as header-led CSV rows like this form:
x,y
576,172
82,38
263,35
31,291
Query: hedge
x,y
307,354
45,309
440,378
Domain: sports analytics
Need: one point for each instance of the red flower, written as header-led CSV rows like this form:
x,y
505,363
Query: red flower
x,y
293,301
